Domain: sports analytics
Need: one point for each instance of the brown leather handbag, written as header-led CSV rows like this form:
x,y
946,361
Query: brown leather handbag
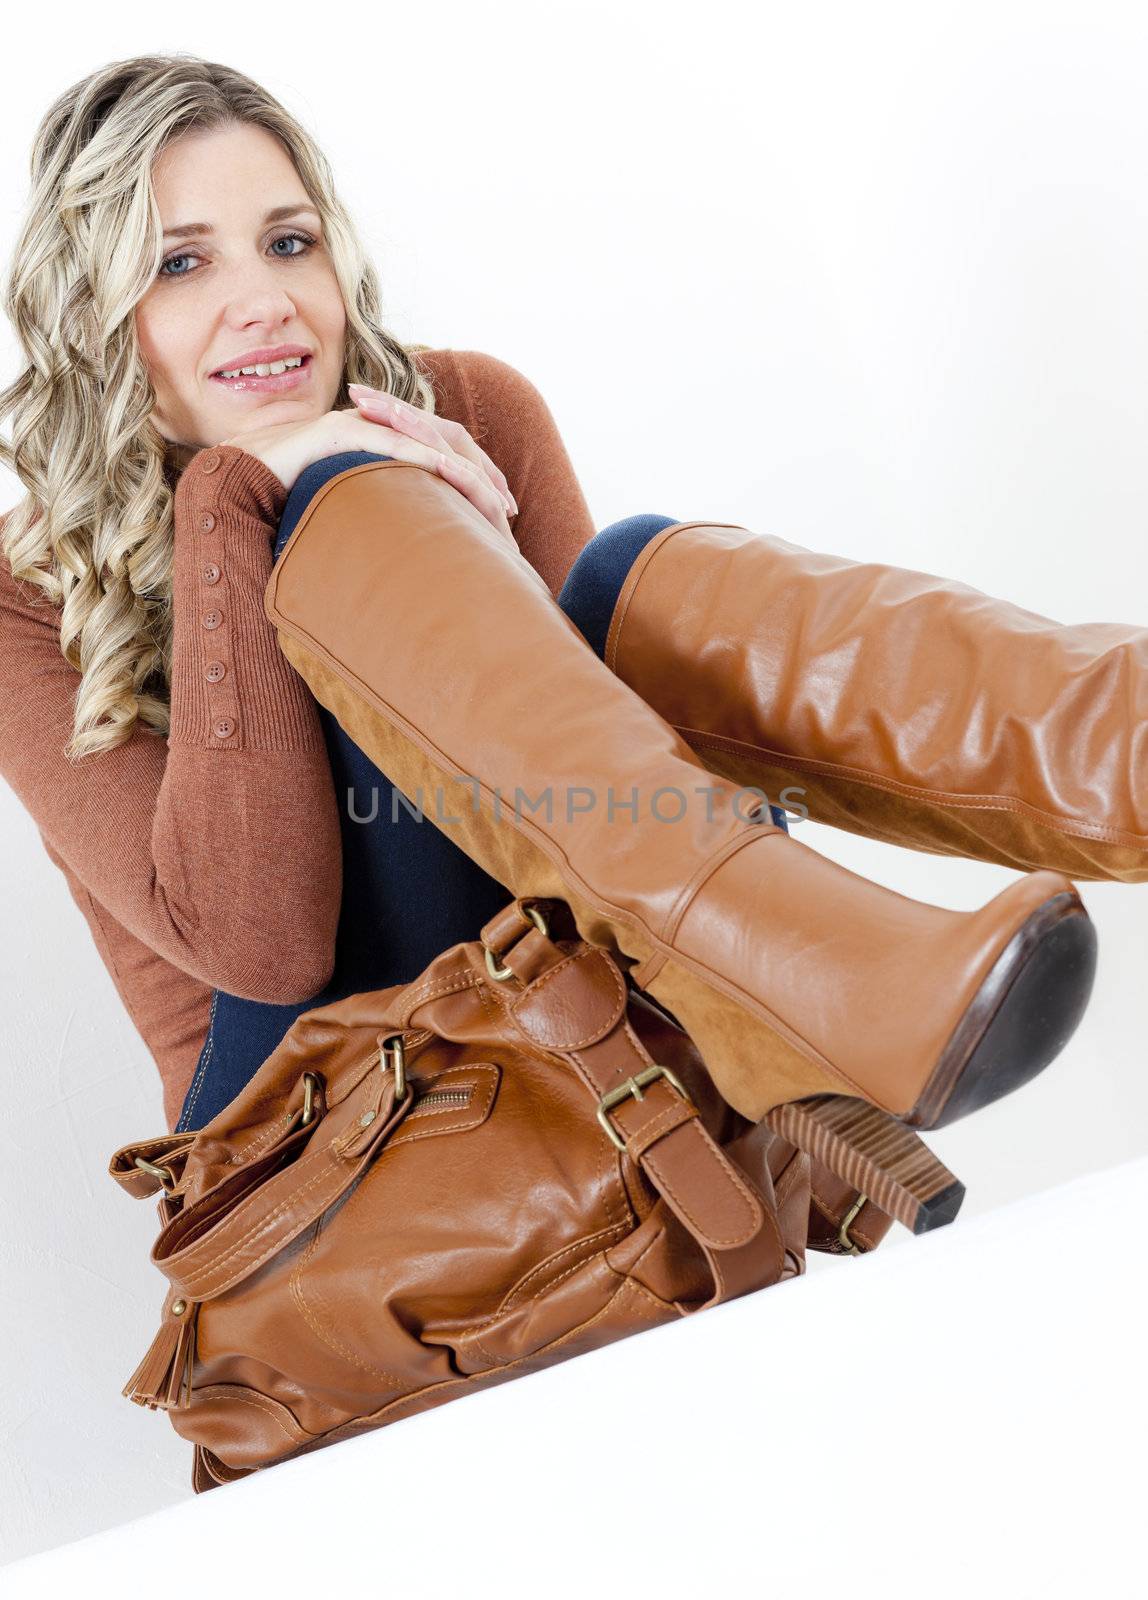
x,y
435,1187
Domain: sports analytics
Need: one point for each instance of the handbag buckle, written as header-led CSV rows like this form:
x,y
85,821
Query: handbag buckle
x,y
500,974
398,1065
165,1175
849,1246
633,1086
310,1082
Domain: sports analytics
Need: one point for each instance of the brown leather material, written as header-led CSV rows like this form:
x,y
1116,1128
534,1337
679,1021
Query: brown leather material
x,y
893,703
313,1291
442,654
833,1207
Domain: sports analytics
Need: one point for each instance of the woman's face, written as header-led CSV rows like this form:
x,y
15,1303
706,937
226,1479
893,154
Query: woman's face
x,y
242,286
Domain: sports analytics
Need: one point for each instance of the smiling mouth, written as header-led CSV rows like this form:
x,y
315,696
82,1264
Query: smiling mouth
x,y
266,383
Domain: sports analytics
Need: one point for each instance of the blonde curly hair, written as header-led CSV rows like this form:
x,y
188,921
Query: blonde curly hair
x,y
95,531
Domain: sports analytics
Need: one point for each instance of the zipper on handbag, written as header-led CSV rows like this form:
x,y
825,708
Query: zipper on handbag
x,y
454,1097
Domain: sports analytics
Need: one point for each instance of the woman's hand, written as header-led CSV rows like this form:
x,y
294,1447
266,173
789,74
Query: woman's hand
x,y
287,448
465,464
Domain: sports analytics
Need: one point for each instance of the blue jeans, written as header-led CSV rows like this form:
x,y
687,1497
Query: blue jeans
x,y
409,892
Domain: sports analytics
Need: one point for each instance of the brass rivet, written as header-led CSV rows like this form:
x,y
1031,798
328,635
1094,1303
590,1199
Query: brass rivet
x,y
178,1307
366,1119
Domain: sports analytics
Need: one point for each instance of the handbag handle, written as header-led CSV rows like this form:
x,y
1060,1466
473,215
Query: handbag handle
x,y
202,1260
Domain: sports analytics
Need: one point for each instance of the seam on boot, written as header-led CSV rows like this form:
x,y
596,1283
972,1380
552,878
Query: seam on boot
x,y
696,737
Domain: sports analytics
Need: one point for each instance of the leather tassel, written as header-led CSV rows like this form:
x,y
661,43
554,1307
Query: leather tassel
x,y
163,1378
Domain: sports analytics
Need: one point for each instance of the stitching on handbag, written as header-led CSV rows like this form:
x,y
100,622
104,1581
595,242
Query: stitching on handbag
x,y
265,1137
261,1402
769,1210
428,990
212,1284
369,1423
724,1243
244,1151
610,1170
673,1116
519,1289
329,1338
487,1323
537,983
479,1112
600,1256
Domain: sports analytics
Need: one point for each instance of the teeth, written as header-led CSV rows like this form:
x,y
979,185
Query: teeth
x,y
264,369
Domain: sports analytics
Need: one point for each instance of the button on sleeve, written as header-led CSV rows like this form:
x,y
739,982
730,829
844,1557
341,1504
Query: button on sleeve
x,y
226,659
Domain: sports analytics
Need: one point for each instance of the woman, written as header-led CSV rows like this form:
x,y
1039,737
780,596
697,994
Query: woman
x,y
205,513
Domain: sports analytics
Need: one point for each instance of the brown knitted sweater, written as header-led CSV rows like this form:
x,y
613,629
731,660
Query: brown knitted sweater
x,y
212,859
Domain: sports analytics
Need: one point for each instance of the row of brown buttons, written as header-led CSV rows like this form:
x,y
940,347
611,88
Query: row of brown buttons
x,y
224,727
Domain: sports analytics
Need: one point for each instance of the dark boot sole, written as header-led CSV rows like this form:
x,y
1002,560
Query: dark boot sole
x,y
1023,1015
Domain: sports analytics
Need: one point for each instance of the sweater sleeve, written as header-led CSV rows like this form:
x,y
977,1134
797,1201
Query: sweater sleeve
x,y
515,426
220,846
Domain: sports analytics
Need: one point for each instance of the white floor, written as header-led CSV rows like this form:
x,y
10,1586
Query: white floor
x,y
955,1415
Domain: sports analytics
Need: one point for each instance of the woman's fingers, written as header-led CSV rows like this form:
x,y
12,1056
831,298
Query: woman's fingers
x,y
457,436
478,489
441,432
360,433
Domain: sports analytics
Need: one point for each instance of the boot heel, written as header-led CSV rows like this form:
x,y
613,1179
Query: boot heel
x,y
887,1162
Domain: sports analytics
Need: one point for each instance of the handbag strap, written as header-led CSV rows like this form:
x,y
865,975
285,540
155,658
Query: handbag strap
x,y
642,1105
245,1220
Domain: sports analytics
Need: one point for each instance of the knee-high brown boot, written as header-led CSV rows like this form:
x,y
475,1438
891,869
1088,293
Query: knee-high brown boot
x,y
845,1012
892,703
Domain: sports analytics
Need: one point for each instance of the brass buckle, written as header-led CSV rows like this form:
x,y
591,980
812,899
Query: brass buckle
x,y
502,973
162,1173
633,1086
843,1239
310,1082
399,1064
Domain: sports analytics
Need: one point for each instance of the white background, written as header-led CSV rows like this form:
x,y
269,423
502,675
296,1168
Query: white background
x,y
871,278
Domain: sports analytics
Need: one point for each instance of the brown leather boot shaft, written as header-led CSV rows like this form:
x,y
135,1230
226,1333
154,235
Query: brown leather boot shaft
x,y
896,704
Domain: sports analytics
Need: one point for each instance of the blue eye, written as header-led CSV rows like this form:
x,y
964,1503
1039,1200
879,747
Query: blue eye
x,y
190,255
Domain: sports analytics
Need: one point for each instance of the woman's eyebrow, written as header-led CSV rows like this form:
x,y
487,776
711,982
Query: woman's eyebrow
x,y
277,214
